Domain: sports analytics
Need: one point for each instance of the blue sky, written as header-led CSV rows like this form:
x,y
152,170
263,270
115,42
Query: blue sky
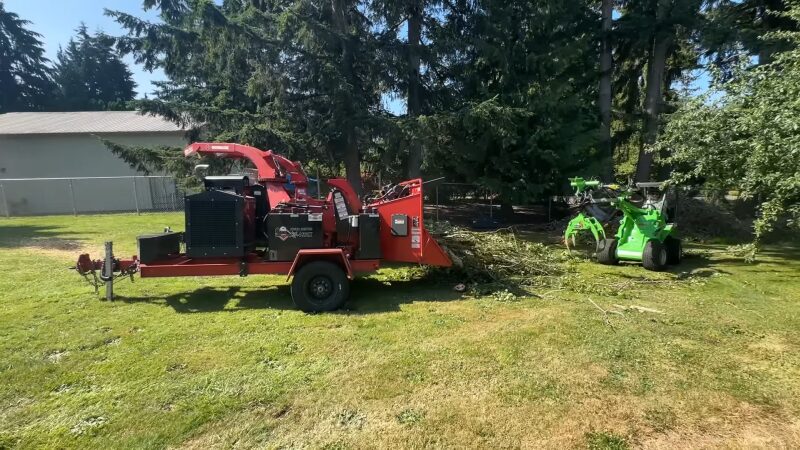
x,y
56,21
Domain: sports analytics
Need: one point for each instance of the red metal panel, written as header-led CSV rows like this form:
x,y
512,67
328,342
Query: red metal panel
x,y
266,171
276,194
418,246
335,255
183,266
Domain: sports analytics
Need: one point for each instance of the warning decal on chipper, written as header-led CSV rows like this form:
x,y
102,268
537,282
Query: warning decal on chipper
x,y
416,233
283,233
341,206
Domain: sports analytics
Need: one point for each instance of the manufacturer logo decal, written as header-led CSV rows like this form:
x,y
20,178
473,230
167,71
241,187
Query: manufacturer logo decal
x,y
282,233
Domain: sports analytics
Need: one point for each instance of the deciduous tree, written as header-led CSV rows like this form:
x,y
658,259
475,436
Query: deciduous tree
x,y
743,135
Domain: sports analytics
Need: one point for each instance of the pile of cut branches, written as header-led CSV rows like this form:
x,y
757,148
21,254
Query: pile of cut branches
x,y
496,256
703,220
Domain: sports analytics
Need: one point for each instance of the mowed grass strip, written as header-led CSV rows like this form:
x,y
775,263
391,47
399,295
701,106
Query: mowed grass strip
x,y
227,362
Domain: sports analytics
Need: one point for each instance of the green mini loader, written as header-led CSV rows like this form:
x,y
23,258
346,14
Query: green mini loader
x,y
643,235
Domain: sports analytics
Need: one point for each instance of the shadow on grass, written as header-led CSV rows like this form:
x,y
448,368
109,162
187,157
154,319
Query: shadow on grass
x,y
16,236
367,296
699,265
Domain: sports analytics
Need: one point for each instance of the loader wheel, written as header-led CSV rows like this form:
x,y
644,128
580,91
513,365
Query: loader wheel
x,y
674,250
320,286
654,256
607,252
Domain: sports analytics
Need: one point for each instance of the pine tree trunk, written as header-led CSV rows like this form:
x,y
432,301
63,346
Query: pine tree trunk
x,y
606,75
413,99
656,66
352,159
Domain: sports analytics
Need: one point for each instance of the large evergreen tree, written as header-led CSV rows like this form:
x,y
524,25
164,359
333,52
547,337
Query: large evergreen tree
x,y
295,76
605,94
656,43
745,24
405,44
90,74
660,27
521,94
25,83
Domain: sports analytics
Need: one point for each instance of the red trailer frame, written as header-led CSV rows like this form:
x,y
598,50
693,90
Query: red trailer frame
x,y
183,266
413,245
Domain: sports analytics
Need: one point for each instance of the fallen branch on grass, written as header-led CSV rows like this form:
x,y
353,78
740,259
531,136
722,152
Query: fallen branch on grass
x,y
605,314
641,309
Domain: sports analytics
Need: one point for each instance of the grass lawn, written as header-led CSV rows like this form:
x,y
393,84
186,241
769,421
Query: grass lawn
x,y
227,362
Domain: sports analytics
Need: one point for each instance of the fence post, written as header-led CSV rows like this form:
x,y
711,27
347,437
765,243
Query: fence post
x,y
5,201
72,198
135,195
437,203
173,196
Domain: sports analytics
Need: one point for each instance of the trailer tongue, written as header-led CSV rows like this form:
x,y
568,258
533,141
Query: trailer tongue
x,y
271,225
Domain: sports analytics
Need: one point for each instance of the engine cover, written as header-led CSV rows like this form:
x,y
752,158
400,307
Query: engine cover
x,y
219,223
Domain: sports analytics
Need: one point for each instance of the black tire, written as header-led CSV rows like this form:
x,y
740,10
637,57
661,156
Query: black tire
x,y
674,250
654,256
320,286
607,252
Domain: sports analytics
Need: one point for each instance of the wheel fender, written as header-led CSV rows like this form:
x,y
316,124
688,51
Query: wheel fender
x,y
334,255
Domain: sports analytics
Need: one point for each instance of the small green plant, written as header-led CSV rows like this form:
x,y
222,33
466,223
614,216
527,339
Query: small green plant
x,y
410,416
602,440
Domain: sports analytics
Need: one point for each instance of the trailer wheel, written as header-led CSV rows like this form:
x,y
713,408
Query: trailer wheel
x,y
674,250
320,286
607,252
654,256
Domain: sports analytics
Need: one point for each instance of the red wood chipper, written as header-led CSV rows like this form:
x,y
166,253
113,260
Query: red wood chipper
x,y
271,225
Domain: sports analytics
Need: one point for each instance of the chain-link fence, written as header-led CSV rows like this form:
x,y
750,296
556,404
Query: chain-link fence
x,y
459,202
477,206
87,195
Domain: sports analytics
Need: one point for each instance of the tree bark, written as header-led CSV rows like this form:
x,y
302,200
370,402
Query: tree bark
x,y
352,158
656,66
606,74
413,99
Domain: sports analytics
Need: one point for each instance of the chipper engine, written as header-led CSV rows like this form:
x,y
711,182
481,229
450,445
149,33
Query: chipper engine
x,y
268,223
643,234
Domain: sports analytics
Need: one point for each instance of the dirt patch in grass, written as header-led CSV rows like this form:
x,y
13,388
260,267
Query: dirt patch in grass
x,y
53,247
745,427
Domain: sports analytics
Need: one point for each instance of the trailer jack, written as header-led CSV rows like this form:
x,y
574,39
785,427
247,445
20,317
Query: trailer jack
x,y
101,272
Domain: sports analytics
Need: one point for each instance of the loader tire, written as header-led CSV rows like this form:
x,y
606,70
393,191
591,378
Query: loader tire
x,y
607,252
674,250
654,256
320,286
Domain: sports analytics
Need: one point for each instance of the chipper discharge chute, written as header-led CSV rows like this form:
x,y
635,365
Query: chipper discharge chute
x,y
268,223
643,235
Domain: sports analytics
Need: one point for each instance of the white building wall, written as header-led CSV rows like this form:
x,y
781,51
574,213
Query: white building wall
x,y
75,155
